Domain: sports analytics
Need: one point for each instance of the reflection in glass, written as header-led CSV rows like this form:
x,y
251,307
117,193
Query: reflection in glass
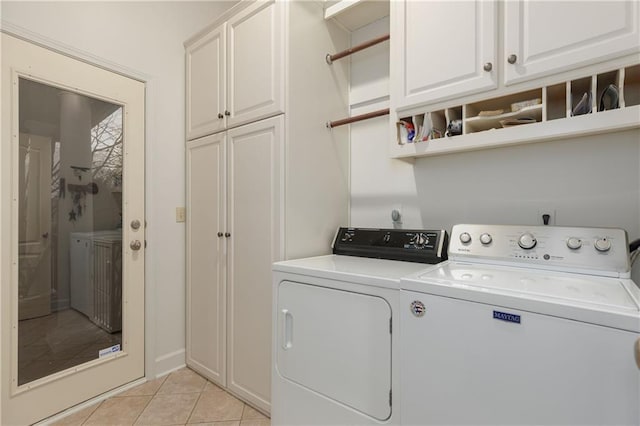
x,y
70,230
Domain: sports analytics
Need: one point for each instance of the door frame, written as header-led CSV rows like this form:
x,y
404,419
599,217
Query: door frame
x,y
9,210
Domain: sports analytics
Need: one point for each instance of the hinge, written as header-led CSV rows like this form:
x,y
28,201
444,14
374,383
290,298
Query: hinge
x,y
391,325
389,397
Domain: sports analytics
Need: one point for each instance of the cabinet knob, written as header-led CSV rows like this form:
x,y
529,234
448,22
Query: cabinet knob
x,y
220,234
227,113
512,59
488,66
135,245
226,234
220,116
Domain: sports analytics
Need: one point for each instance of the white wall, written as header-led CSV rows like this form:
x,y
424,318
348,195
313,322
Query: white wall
x,y
146,38
589,181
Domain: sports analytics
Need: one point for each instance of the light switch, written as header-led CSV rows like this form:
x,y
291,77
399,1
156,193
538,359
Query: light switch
x,y
181,214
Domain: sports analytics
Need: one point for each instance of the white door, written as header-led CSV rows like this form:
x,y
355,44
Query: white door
x,y
543,37
91,179
442,49
34,250
256,63
336,343
206,257
255,226
206,84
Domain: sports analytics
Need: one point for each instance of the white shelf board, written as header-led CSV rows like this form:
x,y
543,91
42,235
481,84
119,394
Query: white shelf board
x,y
354,14
571,127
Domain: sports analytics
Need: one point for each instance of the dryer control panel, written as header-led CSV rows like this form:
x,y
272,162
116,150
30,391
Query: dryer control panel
x,y
411,245
597,251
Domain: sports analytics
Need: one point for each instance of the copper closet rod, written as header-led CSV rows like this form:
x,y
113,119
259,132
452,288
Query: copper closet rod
x,y
330,58
332,124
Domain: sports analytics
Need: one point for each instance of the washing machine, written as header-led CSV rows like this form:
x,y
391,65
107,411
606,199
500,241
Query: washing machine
x,y
335,327
523,325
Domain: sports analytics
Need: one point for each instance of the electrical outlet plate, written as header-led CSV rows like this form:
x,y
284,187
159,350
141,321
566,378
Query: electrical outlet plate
x,y
181,214
550,212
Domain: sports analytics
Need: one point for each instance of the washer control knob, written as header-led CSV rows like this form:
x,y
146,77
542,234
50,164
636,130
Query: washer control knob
x,y
602,244
485,239
465,238
527,241
574,243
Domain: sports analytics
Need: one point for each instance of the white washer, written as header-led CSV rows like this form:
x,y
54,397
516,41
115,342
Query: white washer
x,y
523,325
335,344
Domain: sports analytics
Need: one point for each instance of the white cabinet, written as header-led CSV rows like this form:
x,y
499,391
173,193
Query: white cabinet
x,y
261,191
234,71
441,49
206,256
543,37
234,194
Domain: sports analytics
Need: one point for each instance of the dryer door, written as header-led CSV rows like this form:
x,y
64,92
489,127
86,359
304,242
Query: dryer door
x,y
336,343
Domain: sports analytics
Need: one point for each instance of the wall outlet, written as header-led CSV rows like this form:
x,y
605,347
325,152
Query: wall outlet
x,y
543,212
181,214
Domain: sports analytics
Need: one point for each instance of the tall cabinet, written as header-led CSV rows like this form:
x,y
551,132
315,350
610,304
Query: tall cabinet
x,y
266,181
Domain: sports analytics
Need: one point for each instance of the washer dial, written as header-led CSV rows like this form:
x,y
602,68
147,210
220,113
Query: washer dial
x,y
527,241
574,243
602,244
465,238
485,238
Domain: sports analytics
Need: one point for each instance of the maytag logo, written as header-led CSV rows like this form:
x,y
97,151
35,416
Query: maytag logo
x,y
503,316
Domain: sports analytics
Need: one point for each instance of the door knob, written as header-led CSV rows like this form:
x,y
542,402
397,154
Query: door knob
x,y
135,224
220,234
512,59
227,113
45,235
135,245
227,234
220,115
488,66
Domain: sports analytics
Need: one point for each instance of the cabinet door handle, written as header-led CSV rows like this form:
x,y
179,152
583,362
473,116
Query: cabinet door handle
x,y
220,234
220,116
227,113
226,234
488,66
512,59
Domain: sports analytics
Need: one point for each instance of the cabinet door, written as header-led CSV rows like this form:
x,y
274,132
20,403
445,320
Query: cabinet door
x,y
439,50
206,81
553,36
206,258
256,63
255,214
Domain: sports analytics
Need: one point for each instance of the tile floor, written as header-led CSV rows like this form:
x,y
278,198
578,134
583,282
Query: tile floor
x,y
181,398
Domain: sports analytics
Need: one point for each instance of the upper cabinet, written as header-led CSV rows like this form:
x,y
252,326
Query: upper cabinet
x,y
546,37
235,71
442,49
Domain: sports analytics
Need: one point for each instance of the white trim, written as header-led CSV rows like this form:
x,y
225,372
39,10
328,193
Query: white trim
x,y
172,361
98,399
70,51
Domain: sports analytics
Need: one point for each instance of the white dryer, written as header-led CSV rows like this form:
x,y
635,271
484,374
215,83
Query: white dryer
x,y
523,325
335,328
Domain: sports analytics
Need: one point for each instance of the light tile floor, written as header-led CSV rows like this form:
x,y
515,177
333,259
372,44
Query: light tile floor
x,y
183,397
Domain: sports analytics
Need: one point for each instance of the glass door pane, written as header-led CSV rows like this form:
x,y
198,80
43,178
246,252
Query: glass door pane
x,y
70,229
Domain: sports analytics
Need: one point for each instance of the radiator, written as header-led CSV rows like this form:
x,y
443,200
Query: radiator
x,y
107,281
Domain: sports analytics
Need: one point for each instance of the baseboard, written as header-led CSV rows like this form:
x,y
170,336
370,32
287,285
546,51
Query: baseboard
x,y
173,361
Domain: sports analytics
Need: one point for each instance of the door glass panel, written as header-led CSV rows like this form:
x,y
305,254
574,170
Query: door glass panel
x,y
70,230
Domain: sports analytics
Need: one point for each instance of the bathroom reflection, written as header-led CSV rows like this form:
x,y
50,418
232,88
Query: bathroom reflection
x,y
69,234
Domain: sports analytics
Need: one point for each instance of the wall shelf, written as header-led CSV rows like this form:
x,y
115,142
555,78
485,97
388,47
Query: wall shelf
x,y
354,14
552,111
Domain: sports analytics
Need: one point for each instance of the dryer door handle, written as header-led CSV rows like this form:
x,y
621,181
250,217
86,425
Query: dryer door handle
x,y
287,329
636,352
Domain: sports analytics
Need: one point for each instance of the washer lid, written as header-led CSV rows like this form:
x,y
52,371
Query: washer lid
x,y
362,270
581,297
